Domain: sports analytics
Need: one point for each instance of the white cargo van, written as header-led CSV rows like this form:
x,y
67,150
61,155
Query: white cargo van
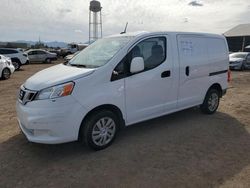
x,y
121,80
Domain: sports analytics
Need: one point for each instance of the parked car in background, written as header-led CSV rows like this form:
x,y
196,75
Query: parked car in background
x,y
57,52
239,60
38,55
18,57
72,48
6,67
69,57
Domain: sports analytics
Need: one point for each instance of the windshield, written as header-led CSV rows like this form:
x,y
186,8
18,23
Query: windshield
x,y
239,55
100,52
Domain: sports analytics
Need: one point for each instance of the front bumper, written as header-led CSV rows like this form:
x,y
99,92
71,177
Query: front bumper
x,y
51,122
27,62
12,68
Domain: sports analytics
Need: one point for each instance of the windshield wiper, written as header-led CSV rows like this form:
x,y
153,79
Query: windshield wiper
x,y
78,65
83,66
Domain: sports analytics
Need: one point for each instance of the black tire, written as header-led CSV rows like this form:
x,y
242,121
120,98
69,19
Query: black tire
x,y
16,63
48,60
6,74
211,102
102,135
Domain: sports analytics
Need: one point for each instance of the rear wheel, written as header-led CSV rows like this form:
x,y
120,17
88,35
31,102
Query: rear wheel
x,y
99,130
211,102
6,74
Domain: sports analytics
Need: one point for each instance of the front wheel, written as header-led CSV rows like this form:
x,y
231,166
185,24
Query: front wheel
x,y
6,74
211,102
99,130
48,60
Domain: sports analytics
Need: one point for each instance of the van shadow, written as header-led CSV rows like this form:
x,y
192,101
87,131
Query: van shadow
x,y
184,149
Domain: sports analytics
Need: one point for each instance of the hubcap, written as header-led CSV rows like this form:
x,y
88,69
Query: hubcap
x,y
213,102
103,131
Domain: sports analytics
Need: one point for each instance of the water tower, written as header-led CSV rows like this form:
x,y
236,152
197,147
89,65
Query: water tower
x,y
95,20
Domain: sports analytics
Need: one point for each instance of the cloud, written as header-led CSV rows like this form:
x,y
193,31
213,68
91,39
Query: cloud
x,y
185,20
63,11
64,20
195,4
78,31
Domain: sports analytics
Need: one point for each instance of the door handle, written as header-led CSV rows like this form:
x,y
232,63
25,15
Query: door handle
x,y
166,74
187,70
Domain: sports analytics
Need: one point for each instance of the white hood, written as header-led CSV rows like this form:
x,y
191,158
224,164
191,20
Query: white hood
x,y
55,75
233,59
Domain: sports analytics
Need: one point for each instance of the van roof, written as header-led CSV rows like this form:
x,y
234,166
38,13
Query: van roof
x,y
141,33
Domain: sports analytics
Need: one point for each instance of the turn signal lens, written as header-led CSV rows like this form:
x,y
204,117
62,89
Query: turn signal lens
x,y
67,89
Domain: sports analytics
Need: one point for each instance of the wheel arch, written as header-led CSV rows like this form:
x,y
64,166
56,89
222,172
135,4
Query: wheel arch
x,y
116,110
216,86
47,58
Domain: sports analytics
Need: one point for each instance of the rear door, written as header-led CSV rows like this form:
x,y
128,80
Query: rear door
x,y
41,55
194,69
33,56
151,92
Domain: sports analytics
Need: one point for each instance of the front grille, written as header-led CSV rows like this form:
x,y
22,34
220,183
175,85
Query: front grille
x,y
26,95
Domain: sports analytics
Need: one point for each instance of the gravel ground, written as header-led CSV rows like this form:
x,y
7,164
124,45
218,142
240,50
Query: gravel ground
x,y
184,149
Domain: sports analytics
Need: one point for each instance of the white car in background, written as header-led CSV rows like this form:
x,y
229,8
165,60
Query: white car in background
x,y
6,67
239,60
70,56
39,55
17,57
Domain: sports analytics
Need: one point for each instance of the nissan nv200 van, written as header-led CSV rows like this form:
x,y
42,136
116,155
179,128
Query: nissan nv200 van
x,y
122,80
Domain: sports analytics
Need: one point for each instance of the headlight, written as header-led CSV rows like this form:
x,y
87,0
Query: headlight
x,y
56,91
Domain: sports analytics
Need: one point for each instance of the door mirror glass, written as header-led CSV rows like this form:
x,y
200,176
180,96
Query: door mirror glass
x,y
137,65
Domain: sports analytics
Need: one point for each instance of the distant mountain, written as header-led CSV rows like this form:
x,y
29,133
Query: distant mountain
x,y
56,44
53,44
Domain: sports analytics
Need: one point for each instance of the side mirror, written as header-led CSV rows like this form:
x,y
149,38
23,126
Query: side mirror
x,y
137,65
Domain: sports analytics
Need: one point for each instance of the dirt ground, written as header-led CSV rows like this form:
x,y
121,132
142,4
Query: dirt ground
x,y
184,149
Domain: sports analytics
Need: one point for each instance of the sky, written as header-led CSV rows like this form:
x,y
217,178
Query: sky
x,y
67,20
